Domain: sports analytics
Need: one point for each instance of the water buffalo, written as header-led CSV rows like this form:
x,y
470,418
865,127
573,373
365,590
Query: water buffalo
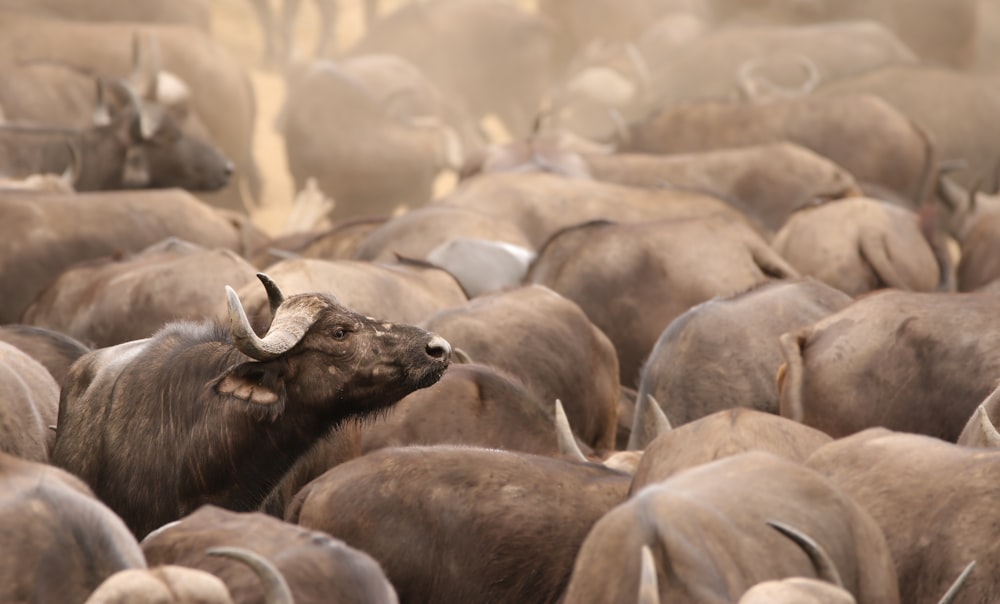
x,y
43,234
53,349
472,405
493,526
170,584
706,528
60,542
767,182
368,160
661,269
541,204
568,357
935,502
129,149
316,567
208,413
30,402
723,434
862,133
221,98
129,296
910,361
725,352
873,245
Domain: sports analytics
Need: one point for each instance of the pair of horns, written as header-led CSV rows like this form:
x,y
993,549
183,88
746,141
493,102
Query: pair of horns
x,y
291,322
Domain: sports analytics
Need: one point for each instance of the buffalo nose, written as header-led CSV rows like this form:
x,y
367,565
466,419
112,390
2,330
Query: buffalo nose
x,y
439,348
229,168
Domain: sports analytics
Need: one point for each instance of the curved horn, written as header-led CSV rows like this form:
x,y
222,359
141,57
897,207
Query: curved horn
x,y
276,590
564,435
949,596
290,324
825,568
648,422
274,295
649,591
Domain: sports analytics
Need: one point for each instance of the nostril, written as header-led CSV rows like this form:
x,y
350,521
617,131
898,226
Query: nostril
x,y
438,347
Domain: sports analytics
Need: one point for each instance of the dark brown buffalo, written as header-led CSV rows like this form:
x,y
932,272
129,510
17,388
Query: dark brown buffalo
x,y
725,352
915,362
316,567
473,405
547,343
209,413
862,133
858,245
767,182
542,204
707,530
43,234
723,434
59,542
935,502
661,269
29,403
489,526
55,350
121,298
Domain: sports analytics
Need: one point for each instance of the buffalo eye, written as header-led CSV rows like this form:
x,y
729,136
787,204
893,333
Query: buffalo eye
x,y
340,333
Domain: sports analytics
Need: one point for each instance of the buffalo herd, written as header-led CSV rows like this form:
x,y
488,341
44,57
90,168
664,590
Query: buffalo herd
x,y
578,301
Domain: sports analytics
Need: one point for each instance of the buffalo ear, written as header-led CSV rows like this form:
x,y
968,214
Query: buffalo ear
x,y
260,387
